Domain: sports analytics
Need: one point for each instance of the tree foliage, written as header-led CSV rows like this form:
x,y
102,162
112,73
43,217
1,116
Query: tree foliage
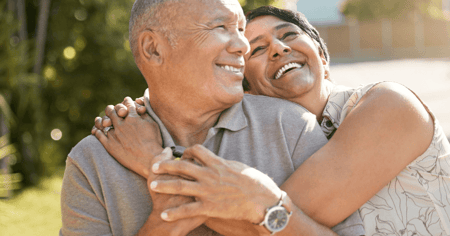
x,y
87,65
392,9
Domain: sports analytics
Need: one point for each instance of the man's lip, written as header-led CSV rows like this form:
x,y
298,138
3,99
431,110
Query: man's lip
x,y
236,66
303,63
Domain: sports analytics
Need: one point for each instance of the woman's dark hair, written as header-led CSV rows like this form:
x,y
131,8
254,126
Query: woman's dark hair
x,y
294,17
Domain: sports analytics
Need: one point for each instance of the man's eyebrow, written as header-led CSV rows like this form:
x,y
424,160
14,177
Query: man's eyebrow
x,y
219,19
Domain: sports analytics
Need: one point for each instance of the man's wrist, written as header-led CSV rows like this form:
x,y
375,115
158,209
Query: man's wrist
x,y
270,225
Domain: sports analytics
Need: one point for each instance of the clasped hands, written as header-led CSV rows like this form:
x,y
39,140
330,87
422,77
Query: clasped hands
x,y
204,185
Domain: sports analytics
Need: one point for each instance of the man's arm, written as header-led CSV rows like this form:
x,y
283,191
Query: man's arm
x,y
82,212
84,201
310,140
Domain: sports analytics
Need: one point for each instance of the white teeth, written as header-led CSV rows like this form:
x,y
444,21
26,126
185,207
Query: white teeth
x,y
231,68
287,67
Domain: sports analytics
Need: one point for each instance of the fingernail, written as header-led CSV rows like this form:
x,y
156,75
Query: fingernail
x,y
164,216
155,167
153,184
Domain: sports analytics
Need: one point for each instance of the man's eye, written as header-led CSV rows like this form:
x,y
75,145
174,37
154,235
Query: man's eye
x,y
291,33
221,26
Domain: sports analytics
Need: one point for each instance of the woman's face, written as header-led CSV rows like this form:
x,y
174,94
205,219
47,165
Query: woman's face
x,y
283,61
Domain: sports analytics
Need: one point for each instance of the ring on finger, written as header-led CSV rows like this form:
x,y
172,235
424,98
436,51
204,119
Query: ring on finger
x,y
105,130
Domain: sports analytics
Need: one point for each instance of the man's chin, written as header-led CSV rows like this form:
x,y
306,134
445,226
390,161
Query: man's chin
x,y
234,96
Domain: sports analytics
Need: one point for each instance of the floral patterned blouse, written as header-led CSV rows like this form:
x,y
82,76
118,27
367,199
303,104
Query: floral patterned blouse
x,y
417,201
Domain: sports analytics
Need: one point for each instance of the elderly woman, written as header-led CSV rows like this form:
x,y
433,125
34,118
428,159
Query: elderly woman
x,y
387,155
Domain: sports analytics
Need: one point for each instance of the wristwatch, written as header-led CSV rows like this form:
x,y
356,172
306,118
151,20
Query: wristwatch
x,y
277,217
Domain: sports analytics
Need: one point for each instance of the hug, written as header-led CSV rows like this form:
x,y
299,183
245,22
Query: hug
x,y
242,131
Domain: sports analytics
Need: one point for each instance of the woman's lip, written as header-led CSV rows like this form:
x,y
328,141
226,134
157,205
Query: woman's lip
x,y
292,70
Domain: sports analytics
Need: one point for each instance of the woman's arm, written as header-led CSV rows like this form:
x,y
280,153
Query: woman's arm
x,y
235,195
386,131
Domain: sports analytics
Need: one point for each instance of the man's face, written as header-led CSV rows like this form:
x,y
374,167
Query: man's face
x,y
283,60
207,62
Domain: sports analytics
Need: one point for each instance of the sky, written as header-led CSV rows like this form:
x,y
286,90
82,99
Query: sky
x,y
320,12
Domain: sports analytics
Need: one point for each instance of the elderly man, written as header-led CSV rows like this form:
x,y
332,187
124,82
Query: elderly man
x,y
191,54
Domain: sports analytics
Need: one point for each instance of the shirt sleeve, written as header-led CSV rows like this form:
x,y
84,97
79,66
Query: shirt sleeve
x,y
352,226
81,210
311,139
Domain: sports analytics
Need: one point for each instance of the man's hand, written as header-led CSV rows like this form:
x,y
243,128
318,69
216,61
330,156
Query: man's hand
x,y
223,189
161,202
133,141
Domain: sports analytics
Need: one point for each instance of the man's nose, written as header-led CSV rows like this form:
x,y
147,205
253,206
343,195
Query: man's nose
x,y
279,49
239,44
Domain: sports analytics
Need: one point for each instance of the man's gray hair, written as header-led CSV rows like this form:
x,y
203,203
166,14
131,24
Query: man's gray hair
x,y
157,15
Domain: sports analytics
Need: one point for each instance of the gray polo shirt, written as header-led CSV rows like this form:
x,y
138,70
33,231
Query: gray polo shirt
x,y
101,197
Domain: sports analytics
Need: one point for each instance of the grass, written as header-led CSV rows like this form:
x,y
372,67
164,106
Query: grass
x,y
34,211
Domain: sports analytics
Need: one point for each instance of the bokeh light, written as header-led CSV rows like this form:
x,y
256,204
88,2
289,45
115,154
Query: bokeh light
x,y
49,73
56,134
70,53
81,14
80,43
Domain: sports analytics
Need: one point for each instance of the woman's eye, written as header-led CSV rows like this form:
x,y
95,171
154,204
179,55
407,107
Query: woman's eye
x,y
291,33
258,49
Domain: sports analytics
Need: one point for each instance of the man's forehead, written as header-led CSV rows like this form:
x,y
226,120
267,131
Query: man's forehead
x,y
220,10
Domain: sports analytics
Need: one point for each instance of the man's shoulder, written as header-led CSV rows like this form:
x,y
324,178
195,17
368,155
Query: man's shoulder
x,y
88,152
269,107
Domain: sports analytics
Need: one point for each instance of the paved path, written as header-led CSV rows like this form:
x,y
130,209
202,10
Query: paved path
x,y
428,78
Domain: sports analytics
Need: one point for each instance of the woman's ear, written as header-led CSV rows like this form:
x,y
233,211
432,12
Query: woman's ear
x,y
326,64
150,48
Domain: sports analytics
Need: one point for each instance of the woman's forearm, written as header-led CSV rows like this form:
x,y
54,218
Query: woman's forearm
x,y
299,224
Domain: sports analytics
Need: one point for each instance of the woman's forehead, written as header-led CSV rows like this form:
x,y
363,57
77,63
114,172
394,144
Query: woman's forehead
x,y
266,24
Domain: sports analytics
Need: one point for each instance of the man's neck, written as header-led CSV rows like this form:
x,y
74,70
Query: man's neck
x,y
186,126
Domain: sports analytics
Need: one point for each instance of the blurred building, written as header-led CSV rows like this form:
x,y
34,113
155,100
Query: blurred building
x,y
413,36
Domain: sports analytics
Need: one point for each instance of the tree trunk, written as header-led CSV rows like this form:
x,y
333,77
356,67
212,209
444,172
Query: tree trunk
x,y
5,192
11,5
21,15
44,10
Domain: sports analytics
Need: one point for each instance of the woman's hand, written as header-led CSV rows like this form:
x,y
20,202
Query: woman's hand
x,y
223,189
133,141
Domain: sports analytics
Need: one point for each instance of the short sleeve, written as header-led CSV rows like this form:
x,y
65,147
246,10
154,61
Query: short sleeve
x,y
352,226
82,212
311,139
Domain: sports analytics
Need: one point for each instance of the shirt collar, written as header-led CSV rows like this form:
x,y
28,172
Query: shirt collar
x,y
165,135
232,119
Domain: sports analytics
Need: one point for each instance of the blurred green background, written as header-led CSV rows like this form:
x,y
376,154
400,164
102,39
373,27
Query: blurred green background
x,y
61,63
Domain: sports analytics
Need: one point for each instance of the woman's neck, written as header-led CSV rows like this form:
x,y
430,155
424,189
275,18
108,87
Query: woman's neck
x,y
315,101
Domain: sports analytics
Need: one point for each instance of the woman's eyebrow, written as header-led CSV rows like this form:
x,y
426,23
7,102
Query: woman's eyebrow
x,y
256,39
284,25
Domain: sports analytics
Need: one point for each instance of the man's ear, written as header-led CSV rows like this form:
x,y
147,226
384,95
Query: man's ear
x,y
150,48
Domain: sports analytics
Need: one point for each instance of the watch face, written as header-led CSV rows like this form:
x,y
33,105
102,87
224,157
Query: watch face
x,y
278,219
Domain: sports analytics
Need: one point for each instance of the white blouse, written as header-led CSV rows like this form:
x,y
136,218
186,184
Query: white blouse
x,y
417,201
